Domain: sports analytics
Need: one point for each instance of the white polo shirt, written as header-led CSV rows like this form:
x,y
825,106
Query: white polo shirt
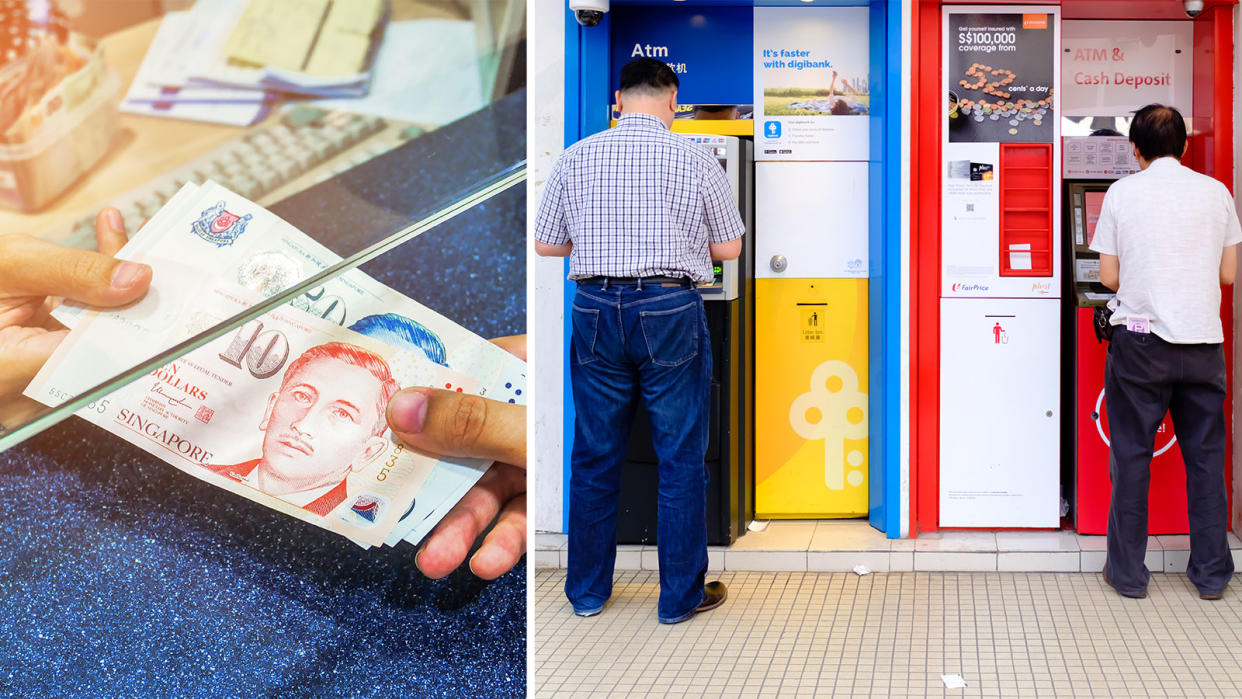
x,y
1168,226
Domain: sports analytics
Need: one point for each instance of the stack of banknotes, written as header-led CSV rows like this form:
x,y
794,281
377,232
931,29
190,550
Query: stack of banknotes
x,y
287,410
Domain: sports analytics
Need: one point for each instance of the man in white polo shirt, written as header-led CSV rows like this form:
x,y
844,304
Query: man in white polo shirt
x,y
1167,240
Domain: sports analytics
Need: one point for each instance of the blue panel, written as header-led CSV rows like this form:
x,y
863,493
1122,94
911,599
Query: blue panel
x,y
891,283
708,47
877,216
586,112
573,127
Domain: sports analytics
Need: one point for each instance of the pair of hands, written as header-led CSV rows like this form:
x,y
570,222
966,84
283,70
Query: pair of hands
x,y
35,275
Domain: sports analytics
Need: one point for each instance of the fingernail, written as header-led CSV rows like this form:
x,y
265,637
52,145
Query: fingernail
x,y
126,274
115,220
407,411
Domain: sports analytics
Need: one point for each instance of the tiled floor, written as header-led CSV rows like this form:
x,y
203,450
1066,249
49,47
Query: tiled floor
x,y
805,634
839,545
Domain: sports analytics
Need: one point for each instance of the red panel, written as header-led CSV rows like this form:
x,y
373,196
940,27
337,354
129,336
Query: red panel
x,y
1210,151
925,272
1026,208
1167,495
1131,9
1223,157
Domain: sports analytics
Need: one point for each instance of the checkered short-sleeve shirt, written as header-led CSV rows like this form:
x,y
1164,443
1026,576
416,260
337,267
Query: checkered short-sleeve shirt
x,y
638,201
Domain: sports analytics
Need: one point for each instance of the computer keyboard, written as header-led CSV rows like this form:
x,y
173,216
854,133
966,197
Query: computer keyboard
x,y
264,164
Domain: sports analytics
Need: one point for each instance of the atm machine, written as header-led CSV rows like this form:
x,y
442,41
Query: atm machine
x,y
1167,495
727,302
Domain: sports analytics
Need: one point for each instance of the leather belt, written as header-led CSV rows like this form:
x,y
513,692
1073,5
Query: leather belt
x,y
658,279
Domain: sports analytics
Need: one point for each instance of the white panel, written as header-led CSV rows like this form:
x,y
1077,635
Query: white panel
x,y
999,413
814,215
545,287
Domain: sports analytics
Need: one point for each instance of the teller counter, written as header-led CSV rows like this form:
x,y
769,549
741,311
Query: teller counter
x,y
120,575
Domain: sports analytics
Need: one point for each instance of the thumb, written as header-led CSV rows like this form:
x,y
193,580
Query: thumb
x,y
33,267
458,424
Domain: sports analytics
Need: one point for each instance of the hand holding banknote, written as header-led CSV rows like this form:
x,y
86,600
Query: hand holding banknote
x,y
288,409
34,275
454,424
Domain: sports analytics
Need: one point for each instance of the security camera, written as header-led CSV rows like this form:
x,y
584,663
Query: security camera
x,y
591,12
1193,7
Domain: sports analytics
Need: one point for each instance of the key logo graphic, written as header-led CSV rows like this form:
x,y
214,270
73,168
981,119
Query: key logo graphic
x,y
772,129
220,227
842,411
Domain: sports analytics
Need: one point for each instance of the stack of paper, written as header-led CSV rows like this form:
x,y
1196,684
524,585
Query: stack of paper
x,y
162,88
289,409
225,60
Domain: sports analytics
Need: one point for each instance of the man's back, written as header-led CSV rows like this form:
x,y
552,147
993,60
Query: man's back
x,y
637,201
1168,226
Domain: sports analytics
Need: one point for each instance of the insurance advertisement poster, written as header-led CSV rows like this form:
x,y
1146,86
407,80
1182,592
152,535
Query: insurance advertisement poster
x,y
1001,70
812,83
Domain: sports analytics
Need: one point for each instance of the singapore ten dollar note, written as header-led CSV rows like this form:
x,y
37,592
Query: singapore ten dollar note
x,y
192,226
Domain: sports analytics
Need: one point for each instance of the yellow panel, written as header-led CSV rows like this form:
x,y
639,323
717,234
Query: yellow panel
x,y
712,127
810,398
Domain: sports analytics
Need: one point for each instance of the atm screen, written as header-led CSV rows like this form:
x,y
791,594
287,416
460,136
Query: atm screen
x,y
1093,201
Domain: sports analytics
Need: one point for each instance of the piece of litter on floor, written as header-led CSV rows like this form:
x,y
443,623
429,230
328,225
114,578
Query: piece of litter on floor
x,y
861,569
757,525
953,681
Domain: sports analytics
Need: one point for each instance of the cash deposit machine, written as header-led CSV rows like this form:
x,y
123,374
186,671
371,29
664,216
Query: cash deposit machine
x,y
791,98
1018,139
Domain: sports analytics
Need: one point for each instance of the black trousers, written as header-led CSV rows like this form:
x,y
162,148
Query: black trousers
x,y
1144,377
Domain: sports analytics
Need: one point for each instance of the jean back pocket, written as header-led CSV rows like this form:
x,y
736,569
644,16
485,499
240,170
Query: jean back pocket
x,y
585,333
672,335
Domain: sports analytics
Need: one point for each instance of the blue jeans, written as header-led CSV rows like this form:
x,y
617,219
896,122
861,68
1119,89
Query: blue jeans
x,y
630,342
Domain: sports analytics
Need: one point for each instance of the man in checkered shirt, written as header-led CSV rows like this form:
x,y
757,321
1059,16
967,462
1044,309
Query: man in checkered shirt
x,y
641,213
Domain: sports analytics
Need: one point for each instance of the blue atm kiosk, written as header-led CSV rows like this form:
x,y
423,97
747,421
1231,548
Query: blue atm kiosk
x,y
712,48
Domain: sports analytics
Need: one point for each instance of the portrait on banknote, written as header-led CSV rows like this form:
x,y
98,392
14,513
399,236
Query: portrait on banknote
x,y
325,422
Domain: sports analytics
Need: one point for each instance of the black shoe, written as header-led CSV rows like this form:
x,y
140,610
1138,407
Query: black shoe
x,y
714,594
1131,595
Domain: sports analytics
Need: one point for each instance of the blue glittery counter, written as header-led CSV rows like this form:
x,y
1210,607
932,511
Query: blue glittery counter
x,y
121,576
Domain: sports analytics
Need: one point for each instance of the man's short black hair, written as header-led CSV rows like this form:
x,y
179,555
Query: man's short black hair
x,y
648,76
1158,131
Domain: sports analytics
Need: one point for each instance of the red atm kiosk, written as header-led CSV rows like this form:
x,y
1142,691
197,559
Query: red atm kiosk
x,y
1088,430
1208,107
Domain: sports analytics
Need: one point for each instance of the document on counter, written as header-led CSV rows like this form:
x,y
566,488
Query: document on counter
x,y
287,410
426,72
160,88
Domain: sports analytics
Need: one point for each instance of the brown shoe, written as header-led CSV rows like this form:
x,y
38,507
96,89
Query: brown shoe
x,y
714,594
1211,596
1139,595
